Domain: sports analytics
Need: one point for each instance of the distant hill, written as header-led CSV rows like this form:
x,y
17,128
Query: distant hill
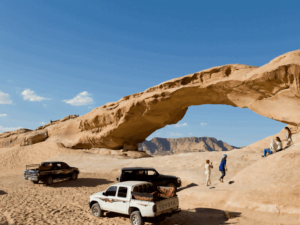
x,y
169,146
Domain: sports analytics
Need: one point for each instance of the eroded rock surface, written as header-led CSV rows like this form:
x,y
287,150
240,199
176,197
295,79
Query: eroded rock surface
x,y
272,90
22,137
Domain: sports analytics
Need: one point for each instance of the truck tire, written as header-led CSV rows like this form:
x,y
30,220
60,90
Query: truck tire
x,y
136,218
74,176
96,210
35,182
49,180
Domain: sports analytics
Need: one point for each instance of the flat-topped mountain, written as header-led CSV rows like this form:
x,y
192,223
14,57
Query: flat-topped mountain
x,y
168,146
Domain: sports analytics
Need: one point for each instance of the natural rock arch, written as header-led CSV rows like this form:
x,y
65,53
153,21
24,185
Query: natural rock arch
x,y
272,90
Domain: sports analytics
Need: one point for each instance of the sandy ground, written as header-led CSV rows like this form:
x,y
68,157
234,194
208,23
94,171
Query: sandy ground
x,y
66,202
264,190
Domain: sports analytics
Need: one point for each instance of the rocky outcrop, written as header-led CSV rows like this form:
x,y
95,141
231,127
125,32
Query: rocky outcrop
x,y
22,137
168,146
272,90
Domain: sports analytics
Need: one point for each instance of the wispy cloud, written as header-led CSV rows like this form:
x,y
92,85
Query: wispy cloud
x,y
4,129
3,115
190,133
42,123
31,96
175,134
180,125
4,98
81,99
202,124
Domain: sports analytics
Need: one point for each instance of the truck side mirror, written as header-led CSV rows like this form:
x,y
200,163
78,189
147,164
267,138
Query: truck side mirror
x,y
104,193
117,179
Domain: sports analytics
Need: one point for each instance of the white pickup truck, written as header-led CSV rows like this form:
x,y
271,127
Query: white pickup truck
x,y
119,198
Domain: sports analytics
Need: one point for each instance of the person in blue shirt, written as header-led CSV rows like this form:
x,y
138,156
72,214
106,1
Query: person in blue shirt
x,y
223,167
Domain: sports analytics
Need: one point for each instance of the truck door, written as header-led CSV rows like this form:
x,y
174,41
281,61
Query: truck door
x,y
121,202
110,197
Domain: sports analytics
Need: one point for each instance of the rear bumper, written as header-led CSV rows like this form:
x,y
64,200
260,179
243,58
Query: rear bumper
x,y
31,178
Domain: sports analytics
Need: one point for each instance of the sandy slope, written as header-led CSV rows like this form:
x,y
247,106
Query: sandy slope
x,y
265,190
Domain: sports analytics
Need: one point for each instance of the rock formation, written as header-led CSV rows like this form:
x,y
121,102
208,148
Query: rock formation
x,y
22,137
272,90
168,146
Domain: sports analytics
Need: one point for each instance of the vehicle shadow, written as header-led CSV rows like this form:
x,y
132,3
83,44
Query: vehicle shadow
x,y
197,216
202,216
3,193
80,182
187,186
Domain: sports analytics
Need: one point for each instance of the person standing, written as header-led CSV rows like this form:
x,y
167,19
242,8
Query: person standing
x,y
288,135
223,167
208,166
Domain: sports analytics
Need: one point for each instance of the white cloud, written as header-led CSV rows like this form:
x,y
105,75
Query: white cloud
x,y
3,115
180,125
42,123
4,98
31,96
190,133
81,99
202,124
44,105
4,129
175,134
90,107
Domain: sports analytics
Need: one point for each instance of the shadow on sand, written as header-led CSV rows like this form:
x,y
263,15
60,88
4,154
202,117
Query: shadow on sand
x,y
197,216
187,186
2,192
81,182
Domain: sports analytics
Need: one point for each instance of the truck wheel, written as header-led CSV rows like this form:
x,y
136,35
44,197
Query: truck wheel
x,y
49,180
96,210
74,176
136,218
35,182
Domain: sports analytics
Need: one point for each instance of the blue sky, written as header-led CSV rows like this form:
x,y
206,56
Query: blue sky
x,y
67,57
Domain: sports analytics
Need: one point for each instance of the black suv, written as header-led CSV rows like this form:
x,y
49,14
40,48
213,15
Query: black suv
x,y
49,171
148,174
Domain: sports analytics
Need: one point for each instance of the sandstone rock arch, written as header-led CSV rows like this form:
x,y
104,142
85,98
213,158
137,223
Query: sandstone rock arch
x,y
272,90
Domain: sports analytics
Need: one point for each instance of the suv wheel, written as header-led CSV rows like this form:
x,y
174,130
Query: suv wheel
x,y
49,180
136,218
96,210
74,176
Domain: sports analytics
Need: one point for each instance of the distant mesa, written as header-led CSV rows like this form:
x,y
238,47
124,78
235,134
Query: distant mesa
x,y
169,146
272,90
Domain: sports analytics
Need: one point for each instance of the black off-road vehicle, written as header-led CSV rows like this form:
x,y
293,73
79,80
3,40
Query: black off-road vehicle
x,y
148,174
49,171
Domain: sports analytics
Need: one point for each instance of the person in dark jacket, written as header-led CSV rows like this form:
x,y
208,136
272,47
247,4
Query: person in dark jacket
x,y
223,167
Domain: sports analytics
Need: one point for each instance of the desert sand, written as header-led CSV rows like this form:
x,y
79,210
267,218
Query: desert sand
x,y
265,190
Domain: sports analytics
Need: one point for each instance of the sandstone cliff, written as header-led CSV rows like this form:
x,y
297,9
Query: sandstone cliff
x,y
168,146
